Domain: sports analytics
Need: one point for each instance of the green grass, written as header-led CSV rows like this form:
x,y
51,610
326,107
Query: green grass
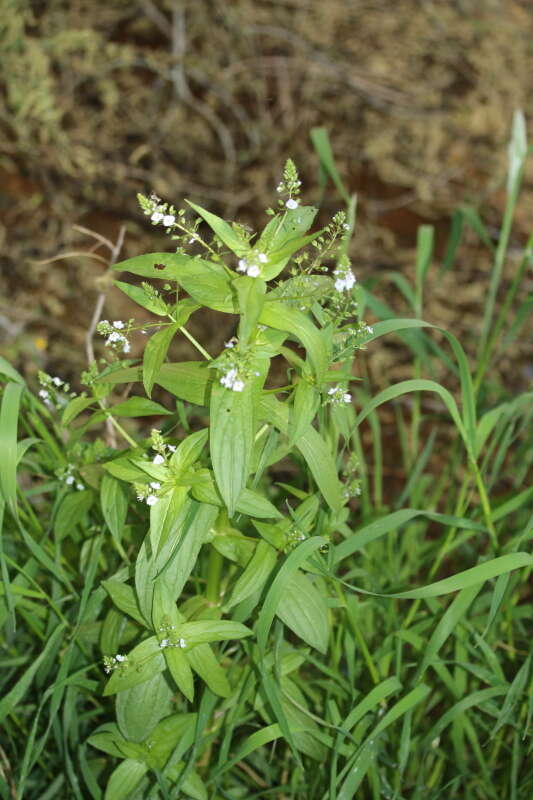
x,y
391,649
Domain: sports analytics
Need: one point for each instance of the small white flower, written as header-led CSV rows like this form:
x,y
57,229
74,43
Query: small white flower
x,y
345,280
151,500
253,271
119,658
262,258
171,447
156,217
238,386
126,346
347,397
69,480
229,344
57,381
155,485
346,226
338,395
168,220
291,204
182,643
44,395
80,487
164,643
228,378
243,265
118,324
158,459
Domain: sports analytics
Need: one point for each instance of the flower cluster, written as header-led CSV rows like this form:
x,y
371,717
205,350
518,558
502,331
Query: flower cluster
x,y
117,340
231,380
160,446
289,186
112,663
251,264
338,396
158,211
344,277
169,639
164,643
68,477
54,392
146,493
350,473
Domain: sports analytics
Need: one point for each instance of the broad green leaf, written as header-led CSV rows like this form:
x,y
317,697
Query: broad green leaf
x,y
280,583
189,380
144,663
125,779
189,450
203,661
155,353
279,258
303,609
212,631
251,503
124,598
74,408
304,407
209,284
114,503
73,509
138,407
255,575
140,708
277,315
155,304
251,293
285,226
180,670
231,440
222,229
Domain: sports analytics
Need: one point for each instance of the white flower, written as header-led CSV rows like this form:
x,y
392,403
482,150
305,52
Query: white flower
x,y
164,643
69,480
338,395
182,643
291,204
158,459
119,658
44,395
243,265
168,220
345,280
347,397
151,500
118,324
171,447
253,271
231,380
262,258
156,217
57,381
155,485
80,487
238,386
229,344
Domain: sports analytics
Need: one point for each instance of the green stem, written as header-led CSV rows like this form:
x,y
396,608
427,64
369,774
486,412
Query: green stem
x,y
193,341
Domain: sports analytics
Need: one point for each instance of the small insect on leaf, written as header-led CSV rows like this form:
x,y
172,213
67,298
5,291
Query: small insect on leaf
x,y
160,266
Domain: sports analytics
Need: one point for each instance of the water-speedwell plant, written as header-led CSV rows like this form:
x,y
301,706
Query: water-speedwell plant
x,y
202,614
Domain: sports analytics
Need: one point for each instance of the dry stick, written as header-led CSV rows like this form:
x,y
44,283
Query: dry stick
x,y
97,313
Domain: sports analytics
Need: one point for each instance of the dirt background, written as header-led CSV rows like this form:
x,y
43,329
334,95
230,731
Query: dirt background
x,y
207,99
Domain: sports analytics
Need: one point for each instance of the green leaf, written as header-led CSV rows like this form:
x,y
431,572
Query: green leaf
x,y
138,407
10,372
124,598
209,284
286,226
144,662
75,407
322,145
155,353
180,670
8,443
251,293
277,315
114,503
231,440
140,708
222,229
283,579
124,779
279,258
212,631
304,407
255,575
136,293
73,509
303,609
189,380
203,661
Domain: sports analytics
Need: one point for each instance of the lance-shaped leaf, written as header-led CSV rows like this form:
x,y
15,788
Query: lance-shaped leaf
x,y
155,353
206,282
255,575
189,380
251,293
303,609
224,231
212,630
277,315
144,661
231,440
203,661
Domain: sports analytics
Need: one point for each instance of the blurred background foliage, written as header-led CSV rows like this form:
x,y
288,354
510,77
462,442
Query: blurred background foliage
x,y
207,99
